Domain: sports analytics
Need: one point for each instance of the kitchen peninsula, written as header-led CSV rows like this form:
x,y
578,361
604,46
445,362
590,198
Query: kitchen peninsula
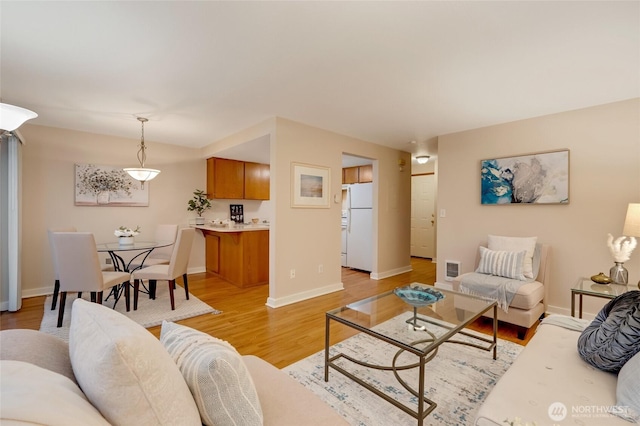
x,y
238,254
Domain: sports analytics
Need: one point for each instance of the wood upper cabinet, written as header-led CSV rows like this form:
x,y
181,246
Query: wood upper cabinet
x,y
256,181
365,173
350,175
359,174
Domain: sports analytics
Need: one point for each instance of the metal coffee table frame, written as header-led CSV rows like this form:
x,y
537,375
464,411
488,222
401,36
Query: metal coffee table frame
x,y
424,354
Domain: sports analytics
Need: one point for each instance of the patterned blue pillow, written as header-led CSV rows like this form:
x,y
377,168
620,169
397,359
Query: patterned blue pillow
x,y
501,263
614,335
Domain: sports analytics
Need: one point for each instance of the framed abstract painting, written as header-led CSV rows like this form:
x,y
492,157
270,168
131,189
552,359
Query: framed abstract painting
x,y
540,178
108,186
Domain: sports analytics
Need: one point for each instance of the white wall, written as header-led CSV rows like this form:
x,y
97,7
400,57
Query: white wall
x,y
604,144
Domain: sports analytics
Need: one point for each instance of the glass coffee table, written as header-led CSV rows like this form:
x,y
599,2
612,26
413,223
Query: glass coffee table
x,y
424,327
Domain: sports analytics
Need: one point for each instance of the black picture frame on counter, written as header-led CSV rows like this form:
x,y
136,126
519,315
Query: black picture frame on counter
x,y
236,213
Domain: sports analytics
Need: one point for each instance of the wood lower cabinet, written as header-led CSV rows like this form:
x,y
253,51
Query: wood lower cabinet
x,y
241,258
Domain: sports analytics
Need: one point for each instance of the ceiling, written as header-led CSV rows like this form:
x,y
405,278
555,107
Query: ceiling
x,y
386,72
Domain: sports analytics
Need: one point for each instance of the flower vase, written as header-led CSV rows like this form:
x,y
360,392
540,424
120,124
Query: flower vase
x,y
125,241
103,197
619,274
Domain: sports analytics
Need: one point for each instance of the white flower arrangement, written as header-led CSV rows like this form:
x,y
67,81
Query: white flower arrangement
x,y
621,248
517,421
123,231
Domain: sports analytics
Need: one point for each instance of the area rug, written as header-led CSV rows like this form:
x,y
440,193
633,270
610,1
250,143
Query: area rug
x,y
458,379
149,312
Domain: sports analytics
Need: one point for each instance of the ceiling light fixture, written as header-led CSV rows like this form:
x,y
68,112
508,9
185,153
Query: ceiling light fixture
x,y
422,159
12,117
142,173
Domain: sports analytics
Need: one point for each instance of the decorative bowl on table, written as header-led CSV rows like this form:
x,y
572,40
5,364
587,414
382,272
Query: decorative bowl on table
x,y
418,296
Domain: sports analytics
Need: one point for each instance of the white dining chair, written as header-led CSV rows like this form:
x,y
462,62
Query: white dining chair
x,y
160,255
177,267
79,269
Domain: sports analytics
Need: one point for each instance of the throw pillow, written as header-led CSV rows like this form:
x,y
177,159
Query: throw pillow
x,y
216,375
506,264
35,395
124,370
614,335
516,244
628,405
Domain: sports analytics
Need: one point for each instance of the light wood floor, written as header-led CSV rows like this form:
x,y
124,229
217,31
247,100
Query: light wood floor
x,y
281,336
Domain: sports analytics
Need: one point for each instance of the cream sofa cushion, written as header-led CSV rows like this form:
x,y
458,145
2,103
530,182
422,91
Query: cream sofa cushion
x,y
34,395
516,244
124,370
216,375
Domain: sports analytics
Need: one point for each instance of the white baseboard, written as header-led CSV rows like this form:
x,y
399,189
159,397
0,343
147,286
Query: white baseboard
x,y
444,286
390,273
299,297
567,311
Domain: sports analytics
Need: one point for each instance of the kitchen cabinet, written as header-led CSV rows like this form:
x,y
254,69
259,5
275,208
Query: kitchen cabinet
x,y
239,180
239,257
359,174
256,181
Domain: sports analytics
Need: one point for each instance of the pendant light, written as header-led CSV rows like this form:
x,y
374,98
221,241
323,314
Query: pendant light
x,y
142,173
12,117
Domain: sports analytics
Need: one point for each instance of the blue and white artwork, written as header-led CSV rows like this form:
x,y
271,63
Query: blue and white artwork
x,y
541,178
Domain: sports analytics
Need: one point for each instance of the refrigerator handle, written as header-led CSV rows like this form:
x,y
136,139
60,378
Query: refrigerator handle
x,y
349,209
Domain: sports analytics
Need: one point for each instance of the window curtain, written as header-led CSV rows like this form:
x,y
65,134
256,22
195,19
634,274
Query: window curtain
x,y
10,224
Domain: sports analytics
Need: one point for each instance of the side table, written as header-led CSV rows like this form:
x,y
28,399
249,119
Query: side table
x,y
586,287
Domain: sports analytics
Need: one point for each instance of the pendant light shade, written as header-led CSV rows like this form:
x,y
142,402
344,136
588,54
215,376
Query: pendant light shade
x,y
12,117
142,173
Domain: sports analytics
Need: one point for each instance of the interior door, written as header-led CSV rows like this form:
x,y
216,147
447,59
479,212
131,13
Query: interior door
x,y
423,234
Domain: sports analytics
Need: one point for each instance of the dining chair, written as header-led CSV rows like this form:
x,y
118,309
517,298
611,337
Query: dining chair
x,y
177,267
160,255
79,269
56,283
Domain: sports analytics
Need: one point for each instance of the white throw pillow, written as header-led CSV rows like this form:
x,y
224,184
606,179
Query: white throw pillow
x,y
217,377
124,370
35,395
516,244
506,264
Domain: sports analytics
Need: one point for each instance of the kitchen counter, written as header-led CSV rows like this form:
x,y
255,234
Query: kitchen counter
x,y
238,254
235,228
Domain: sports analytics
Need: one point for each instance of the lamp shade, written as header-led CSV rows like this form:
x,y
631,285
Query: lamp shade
x,y
12,117
142,174
632,221
422,159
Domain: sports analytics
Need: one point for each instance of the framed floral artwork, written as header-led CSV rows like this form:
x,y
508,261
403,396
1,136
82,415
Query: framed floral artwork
x,y
101,186
310,186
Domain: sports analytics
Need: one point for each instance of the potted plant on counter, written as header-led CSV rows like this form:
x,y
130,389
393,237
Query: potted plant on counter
x,y
199,204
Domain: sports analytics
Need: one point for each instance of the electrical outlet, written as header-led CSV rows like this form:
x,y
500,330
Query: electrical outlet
x,y
320,268
292,273
108,261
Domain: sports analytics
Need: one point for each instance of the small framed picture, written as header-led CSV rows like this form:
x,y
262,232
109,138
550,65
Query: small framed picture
x,y
310,186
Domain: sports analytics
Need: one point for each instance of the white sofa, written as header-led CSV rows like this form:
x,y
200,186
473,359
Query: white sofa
x,y
547,373
44,381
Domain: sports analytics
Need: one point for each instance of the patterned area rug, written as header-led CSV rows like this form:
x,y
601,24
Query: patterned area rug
x,y
149,312
458,379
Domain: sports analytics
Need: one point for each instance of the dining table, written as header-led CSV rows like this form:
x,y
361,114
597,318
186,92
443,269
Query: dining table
x,y
121,264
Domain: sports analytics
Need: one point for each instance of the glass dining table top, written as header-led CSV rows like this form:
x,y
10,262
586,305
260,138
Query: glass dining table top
x,y
137,245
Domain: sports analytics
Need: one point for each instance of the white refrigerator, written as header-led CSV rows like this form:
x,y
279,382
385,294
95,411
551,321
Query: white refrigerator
x,y
360,226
